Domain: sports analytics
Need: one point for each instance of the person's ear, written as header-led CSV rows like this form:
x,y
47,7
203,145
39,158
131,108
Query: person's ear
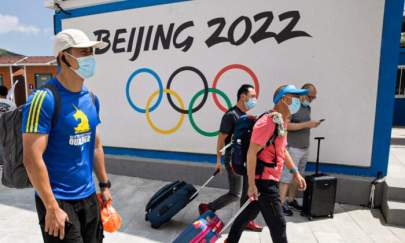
x,y
64,59
285,100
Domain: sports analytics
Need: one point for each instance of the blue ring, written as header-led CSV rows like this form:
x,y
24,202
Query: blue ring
x,y
159,81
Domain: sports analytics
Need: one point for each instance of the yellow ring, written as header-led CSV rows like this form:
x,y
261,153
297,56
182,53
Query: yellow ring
x,y
148,118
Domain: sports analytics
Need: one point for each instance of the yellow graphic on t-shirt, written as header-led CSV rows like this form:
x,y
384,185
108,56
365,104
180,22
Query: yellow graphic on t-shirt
x,y
84,122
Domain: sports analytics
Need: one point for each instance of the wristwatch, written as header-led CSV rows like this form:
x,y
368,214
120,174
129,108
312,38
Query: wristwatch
x,y
293,170
103,185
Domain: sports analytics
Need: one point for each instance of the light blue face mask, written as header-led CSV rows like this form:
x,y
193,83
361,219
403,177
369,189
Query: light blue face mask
x,y
295,105
87,66
251,103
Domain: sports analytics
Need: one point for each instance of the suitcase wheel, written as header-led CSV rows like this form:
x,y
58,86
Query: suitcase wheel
x,y
310,218
154,226
331,216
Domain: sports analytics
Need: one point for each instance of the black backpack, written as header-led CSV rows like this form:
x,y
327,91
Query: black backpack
x,y
14,174
240,145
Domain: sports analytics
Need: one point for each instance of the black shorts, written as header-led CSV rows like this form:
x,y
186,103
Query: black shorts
x,y
84,224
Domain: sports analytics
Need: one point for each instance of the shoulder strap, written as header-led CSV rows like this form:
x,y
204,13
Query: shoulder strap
x,y
57,102
93,97
275,132
274,136
234,113
263,114
271,141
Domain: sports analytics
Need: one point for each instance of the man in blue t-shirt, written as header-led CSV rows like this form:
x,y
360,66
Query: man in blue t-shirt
x,y
62,146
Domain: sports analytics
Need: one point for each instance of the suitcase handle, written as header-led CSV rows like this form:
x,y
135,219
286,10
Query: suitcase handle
x,y
216,173
317,154
244,206
204,185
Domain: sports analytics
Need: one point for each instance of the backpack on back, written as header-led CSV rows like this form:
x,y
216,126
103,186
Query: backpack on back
x,y
14,174
241,141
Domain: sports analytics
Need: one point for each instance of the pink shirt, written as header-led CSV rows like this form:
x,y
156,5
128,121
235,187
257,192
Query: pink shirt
x,y
262,132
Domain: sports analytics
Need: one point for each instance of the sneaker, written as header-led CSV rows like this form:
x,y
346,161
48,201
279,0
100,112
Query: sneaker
x,y
287,210
294,204
252,226
202,208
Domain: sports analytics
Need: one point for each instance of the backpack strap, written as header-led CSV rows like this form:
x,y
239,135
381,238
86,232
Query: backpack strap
x,y
273,137
93,97
271,141
57,101
234,112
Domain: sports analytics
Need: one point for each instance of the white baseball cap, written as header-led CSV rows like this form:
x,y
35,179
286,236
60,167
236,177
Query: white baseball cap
x,y
73,38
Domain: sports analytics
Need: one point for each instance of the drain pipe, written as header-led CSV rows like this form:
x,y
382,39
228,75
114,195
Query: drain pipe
x,y
378,180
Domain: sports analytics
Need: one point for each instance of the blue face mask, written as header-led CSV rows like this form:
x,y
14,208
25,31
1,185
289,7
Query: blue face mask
x,y
87,66
306,103
251,103
295,105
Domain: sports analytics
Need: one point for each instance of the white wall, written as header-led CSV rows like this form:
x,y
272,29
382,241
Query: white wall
x,y
341,59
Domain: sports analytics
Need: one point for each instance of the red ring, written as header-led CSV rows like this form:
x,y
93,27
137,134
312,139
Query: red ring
x,y
227,68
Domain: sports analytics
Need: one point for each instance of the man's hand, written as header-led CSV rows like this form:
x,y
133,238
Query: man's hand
x,y
218,166
313,124
55,220
253,193
106,194
302,184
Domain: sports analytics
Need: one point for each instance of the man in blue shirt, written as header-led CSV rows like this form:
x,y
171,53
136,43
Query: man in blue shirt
x,y
61,149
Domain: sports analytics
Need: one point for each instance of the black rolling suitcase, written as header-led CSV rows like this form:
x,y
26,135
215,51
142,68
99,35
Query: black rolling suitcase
x,y
320,195
170,199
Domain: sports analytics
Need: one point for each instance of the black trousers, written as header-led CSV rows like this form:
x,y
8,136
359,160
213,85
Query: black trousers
x,y
269,205
84,224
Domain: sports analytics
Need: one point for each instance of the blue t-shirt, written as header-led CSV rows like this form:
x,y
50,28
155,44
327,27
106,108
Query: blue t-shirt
x,y
70,151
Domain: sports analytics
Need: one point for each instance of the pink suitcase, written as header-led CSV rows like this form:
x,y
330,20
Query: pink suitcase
x,y
206,229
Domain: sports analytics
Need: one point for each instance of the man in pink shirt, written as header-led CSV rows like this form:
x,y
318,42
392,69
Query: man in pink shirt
x,y
265,166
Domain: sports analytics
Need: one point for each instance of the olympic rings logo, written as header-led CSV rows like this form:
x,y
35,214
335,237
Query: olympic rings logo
x,y
184,109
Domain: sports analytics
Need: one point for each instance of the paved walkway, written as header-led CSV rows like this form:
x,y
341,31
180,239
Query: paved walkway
x,y
351,224
396,168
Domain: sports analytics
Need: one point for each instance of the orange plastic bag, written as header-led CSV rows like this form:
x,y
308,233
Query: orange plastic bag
x,y
109,216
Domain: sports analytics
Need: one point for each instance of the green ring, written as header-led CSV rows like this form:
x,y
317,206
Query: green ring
x,y
190,113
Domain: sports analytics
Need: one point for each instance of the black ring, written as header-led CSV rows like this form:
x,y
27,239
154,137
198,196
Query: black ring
x,y
199,73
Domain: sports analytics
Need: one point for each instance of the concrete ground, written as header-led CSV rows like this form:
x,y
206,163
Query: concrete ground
x,y
351,224
396,168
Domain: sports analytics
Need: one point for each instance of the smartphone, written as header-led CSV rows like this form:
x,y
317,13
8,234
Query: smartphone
x,y
322,120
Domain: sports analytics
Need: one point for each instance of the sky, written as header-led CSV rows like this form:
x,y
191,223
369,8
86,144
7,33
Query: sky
x,y
26,27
